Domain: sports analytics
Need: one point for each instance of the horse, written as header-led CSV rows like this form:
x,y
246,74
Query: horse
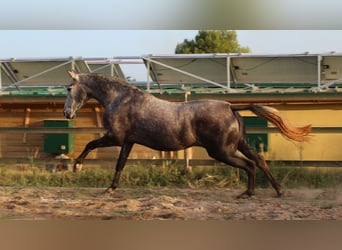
x,y
133,116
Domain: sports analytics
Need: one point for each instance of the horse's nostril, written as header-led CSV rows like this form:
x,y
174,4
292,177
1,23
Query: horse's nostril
x,y
67,113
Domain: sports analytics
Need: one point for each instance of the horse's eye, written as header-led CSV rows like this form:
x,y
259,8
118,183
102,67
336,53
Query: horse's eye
x,y
69,88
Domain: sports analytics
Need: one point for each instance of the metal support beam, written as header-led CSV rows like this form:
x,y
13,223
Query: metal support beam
x,y
228,72
319,59
72,61
148,77
111,69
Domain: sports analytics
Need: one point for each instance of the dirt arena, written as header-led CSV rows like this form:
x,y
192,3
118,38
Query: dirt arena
x,y
33,203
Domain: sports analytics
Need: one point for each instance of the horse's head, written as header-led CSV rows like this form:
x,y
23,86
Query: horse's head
x,y
76,98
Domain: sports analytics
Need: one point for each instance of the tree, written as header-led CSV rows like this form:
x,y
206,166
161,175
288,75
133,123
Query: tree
x,y
212,41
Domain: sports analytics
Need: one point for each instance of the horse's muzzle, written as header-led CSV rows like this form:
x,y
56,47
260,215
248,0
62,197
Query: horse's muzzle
x,y
68,114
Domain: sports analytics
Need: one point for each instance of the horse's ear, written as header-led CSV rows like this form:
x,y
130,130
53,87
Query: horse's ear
x,y
73,75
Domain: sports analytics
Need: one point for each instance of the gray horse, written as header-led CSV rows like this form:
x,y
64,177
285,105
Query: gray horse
x,y
134,116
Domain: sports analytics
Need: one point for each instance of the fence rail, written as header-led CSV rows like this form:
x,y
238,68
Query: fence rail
x,y
90,130
94,130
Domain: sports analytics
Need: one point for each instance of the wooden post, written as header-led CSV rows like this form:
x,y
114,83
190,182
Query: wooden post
x,y
26,123
162,156
98,119
187,151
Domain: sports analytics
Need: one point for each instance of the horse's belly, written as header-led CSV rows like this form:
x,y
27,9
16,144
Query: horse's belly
x,y
165,144
164,148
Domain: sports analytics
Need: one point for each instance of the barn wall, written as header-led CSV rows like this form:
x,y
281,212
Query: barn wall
x,y
322,147
19,145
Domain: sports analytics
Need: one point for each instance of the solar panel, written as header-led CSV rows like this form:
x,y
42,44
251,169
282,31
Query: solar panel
x,y
298,69
213,69
223,70
331,68
242,69
50,72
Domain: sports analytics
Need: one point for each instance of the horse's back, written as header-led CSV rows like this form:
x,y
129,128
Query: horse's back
x,y
208,122
173,125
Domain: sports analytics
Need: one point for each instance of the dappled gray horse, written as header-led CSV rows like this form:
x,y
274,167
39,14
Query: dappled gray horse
x,y
134,116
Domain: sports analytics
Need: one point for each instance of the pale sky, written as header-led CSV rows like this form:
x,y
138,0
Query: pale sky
x,y
109,43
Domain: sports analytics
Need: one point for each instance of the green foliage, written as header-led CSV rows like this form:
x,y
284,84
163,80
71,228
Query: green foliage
x,y
171,176
152,176
40,177
212,41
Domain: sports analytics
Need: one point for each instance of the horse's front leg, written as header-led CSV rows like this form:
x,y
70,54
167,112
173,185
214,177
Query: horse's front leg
x,y
125,150
104,141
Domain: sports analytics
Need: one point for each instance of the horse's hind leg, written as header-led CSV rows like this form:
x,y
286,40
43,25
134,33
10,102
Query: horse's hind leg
x,y
234,159
250,153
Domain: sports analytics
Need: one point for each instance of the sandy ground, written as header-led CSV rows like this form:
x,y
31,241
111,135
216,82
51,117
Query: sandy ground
x,y
33,203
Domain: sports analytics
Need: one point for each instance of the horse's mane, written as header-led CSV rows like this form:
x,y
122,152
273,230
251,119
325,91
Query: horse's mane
x,y
109,81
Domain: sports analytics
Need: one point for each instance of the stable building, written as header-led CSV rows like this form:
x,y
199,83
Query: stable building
x,y
306,88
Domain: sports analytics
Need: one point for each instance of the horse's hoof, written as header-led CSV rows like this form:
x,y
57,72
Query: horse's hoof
x,y
280,194
109,191
244,195
77,167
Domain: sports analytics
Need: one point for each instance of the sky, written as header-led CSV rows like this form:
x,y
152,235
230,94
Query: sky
x,y
110,28
110,43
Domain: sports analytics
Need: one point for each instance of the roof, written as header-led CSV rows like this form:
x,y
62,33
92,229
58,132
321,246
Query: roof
x,y
176,74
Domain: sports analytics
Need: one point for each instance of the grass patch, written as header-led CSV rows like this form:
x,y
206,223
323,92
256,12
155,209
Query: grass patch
x,y
171,176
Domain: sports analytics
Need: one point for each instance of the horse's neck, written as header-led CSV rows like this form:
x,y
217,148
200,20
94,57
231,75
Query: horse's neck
x,y
102,95
108,96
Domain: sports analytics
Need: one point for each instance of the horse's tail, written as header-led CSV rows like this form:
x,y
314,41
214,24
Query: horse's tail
x,y
273,115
